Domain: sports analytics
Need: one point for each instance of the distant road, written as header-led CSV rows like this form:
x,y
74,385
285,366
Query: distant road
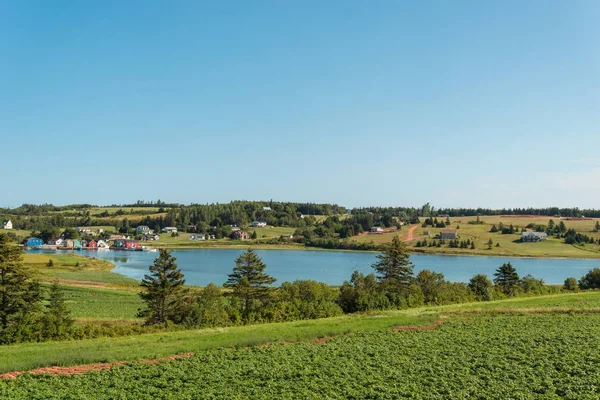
x,y
409,234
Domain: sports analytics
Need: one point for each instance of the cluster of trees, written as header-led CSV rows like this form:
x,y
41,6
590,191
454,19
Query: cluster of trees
x,y
454,244
249,297
548,211
434,223
506,230
23,314
573,237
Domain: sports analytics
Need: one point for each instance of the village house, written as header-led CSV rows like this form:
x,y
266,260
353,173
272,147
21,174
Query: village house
x,y
115,237
85,231
259,224
198,236
34,242
376,229
448,234
56,242
235,228
169,229
102,244
266,208
151,237
240,235
68,243
533,236
143,230
7,224
92,244
124,244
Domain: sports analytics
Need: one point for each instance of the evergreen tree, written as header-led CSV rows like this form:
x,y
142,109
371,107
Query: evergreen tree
x,y
490,244
164,293
57,320
506,278
20,297
393,268
254,235
249,282
481,286
494,228
472,245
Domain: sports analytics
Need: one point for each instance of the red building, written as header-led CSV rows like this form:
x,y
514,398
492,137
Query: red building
x,y
123,244
92,244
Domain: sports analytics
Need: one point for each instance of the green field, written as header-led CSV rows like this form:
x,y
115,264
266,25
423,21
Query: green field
x,y
544,347
88,303
510,245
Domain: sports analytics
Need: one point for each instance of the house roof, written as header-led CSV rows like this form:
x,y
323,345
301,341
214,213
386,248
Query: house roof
x,y
6,221
448,231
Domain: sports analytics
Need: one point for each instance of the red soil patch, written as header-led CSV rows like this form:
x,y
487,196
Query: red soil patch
x,y
82,369
410,234
418,328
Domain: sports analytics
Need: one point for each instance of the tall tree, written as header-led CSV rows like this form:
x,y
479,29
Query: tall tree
x,y
20,297
393,268
57,317
249,282
506,278
164,292
482,287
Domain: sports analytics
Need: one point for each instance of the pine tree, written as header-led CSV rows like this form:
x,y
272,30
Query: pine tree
x,y
164,293
20,297
249,282
490,244
254,235
506,278
57,318
393,268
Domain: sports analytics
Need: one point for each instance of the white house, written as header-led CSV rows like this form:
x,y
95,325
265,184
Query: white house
x,y
376,229
266,208
259,224
533,236
102,244
7,224
169,229
58,242
197,236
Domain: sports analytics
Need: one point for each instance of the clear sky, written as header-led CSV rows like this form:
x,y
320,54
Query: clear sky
x,y
457,103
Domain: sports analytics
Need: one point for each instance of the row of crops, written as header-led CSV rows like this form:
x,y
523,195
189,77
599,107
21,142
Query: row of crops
x,y
500,357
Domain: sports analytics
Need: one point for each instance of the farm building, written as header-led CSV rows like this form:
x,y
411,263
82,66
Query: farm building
x,y
125,244
533,236
34,242
151,237
169,229
56,242
197,236
259,224
7,224
448,234
241,235
142,230
426,233
376,229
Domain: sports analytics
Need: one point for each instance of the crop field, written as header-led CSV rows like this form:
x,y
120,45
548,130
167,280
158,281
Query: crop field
x,y
541,356
98,303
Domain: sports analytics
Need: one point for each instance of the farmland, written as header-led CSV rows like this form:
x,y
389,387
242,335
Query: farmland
x,y
509,244
491,353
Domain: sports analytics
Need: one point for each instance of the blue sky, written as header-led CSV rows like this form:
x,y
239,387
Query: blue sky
x,y
462,103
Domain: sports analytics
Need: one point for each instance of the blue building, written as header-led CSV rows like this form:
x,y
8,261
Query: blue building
x,y
34,242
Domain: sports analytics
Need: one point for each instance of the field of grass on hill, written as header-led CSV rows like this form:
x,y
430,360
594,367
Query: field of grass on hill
x,y
510,244
543,347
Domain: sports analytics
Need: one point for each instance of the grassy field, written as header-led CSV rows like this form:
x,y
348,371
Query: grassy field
x,y
506,357
74,269
509,245
33,355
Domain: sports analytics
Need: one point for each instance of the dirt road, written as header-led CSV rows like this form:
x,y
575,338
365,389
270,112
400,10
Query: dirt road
x,y
410,234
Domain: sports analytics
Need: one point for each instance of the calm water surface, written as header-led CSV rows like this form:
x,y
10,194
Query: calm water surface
x,y
202,266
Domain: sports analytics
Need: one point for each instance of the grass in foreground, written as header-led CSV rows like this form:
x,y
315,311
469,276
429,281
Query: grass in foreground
x,y
549,356
33,355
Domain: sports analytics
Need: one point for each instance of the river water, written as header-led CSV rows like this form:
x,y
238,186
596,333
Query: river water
x,y
202,266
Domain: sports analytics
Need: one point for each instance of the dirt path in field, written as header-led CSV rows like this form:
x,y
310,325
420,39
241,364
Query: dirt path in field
x,y
410,234
82,369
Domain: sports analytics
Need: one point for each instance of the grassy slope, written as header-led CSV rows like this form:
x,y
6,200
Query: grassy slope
x,y
32,355
509,244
